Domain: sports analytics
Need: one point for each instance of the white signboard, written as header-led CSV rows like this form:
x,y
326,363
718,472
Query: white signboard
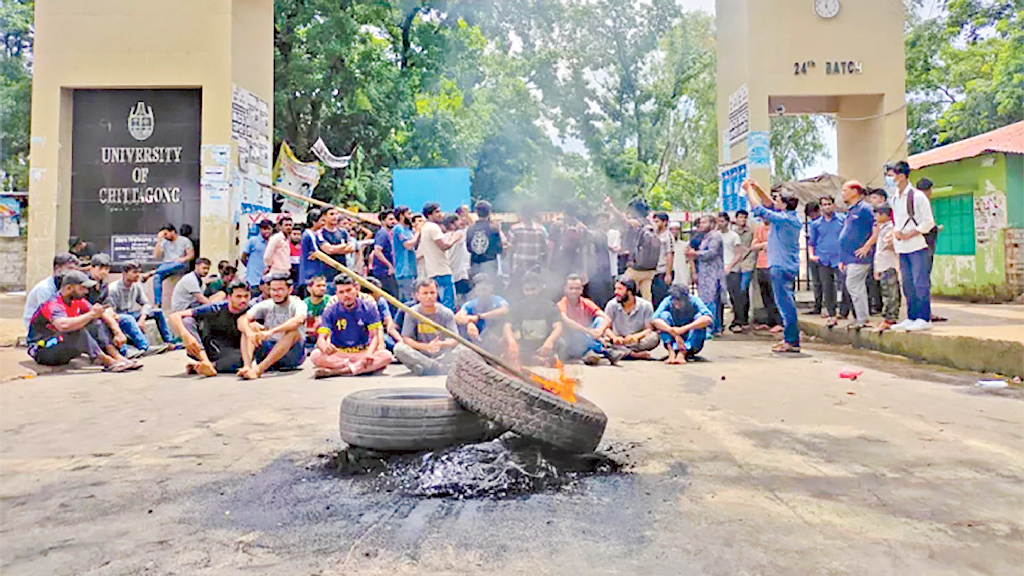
x,y
739,115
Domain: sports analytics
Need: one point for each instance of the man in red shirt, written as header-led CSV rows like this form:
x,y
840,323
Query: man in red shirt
x,y
584,322
59,331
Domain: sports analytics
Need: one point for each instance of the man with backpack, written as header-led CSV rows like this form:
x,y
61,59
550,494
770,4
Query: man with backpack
x,y
644,242
912,221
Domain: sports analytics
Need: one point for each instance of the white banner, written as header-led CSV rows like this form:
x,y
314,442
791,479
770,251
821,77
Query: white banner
x,y
325,156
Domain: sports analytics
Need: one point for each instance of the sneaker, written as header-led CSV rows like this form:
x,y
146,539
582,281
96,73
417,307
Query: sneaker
x,y
919,325
158,349
134,353
591,358
902,325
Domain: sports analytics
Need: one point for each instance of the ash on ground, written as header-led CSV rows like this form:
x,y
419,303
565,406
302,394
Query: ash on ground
x,y
507,467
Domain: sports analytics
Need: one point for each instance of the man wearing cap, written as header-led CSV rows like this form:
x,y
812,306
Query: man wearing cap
x,y
48,287
211,334
80,248
129,301
252,254
174,251
66,326
350,338
274,332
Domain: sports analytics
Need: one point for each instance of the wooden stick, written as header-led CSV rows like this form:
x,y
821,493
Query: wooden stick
x,y
320,203
490,358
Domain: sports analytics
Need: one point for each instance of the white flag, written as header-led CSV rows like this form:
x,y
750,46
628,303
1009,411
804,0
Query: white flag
x,y
325,156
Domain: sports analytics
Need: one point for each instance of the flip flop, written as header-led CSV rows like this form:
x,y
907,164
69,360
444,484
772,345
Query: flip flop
x,y
785,348
116,367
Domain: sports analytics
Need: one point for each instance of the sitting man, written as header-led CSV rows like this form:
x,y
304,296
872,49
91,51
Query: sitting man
x,y
48,287
274,331
188,292
99,271
128,300
584,323
682,319
174,252
392,331
316,302
225,275
424,349
630,321
533,334
350,338
63,329
213,338
483,316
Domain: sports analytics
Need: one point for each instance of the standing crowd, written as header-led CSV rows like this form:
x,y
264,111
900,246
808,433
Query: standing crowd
x,y
613,287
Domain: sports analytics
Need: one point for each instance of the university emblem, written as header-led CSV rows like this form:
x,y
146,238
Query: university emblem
x,y
140,121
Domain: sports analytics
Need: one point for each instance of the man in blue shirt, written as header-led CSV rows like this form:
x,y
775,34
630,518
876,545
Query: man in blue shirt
x,y
855,242
683,321
823,246
481,318
252,255
48,287
334,241
383,255
783,256
309,266
403,240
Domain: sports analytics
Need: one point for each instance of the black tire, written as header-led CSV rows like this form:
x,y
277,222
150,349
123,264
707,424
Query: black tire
x,y
409,419
525,408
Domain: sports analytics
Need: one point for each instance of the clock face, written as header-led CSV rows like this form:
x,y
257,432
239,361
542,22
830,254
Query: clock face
x,y
826,8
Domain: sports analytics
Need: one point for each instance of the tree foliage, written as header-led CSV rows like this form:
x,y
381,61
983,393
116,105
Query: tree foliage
x,y
965,71
16,32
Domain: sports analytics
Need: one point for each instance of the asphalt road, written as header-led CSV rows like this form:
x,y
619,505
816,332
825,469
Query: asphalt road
x,y
744,464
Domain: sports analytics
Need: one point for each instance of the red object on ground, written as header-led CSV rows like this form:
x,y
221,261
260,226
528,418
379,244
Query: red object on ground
x,y
850,373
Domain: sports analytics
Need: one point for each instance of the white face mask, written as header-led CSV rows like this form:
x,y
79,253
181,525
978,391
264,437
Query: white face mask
x,y
890,182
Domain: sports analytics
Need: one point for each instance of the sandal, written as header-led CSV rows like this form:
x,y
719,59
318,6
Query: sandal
x,y
116,367
786,348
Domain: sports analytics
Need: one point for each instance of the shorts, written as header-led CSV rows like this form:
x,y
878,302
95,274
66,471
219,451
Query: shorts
x,y
292,360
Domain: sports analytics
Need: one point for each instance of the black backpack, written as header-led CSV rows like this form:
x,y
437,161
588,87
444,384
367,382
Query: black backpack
x,y
647,250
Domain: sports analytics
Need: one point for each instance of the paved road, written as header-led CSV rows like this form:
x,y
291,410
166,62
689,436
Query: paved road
x,y
745,464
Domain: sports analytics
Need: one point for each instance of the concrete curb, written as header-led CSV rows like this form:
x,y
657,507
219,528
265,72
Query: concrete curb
x,y
965,353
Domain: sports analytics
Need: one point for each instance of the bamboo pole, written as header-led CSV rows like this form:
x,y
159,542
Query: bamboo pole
x,y
521,373
320,203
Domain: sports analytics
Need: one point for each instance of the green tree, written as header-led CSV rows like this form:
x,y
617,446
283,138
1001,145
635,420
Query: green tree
x,y
965,71
16,30
796,144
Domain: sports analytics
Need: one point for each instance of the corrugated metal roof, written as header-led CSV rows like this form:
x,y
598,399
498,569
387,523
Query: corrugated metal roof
x,y
1008,139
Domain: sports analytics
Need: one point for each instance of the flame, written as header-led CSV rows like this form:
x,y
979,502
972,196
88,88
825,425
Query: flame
x,y
564,387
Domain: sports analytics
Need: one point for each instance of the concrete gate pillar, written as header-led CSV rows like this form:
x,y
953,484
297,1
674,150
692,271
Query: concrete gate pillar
x,y
182,60
838,57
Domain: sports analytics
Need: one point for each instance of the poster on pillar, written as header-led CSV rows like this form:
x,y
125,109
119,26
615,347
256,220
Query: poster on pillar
x,y
134,164
731,196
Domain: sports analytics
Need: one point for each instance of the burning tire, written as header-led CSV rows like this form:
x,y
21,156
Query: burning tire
x,y
410,419
524,408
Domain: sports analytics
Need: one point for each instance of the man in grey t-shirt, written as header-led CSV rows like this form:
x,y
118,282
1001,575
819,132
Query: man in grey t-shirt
x,y
273,331
174,252
188,292
424,349
631,318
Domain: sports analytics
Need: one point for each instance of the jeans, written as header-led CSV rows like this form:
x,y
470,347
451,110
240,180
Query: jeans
x,y
579,343
162,326
136,336
694,341
917,286
405,289
446,291
856,285
738,283
163,271
785,301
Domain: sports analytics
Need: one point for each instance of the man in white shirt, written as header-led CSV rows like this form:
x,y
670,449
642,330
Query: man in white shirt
x,y
912,220
433,248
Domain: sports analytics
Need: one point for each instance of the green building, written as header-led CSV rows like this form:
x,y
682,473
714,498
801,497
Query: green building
x,y
978,199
